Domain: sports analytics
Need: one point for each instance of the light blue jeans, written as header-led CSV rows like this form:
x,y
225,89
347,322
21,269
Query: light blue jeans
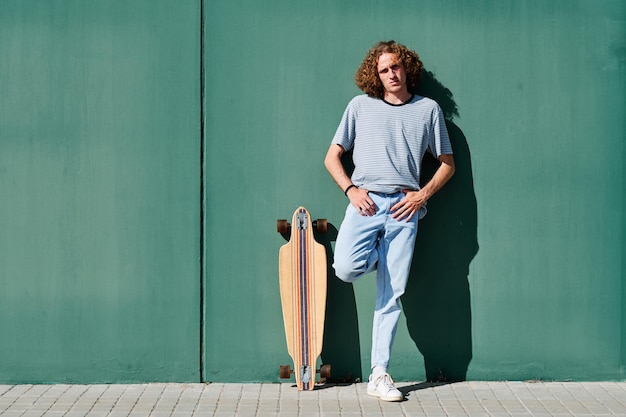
x,y
365,243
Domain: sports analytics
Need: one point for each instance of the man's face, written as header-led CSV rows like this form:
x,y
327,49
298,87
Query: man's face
x,y
391,73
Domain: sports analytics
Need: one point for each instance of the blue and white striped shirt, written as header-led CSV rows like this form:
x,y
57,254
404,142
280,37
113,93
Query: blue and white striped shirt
x,y
389,141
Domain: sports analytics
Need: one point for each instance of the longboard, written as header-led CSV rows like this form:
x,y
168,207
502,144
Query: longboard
x,y
302,277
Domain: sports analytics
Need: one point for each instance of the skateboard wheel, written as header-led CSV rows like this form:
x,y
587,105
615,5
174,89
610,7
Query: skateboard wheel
x,y
325,371
282,226
321,225
285,371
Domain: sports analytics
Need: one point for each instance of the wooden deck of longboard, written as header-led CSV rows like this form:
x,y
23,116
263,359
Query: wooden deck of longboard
x,y
302,276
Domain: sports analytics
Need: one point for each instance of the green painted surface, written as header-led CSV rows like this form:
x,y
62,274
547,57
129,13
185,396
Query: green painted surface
x,y
519,271
99,186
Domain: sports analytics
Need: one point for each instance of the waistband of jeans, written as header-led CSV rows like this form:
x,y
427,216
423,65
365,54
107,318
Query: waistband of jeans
x,y
387,194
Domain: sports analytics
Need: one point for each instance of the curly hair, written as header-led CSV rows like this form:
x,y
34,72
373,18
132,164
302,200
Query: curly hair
x,y
367,78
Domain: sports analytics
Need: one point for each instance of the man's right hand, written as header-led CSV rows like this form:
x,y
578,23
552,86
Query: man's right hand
x,y
360,199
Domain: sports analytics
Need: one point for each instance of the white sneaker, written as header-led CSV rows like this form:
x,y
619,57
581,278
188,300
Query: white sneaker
x,y
383,388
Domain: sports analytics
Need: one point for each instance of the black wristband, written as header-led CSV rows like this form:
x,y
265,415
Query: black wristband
x,y
348,189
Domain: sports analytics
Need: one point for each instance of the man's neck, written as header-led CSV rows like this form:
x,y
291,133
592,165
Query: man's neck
x,y
398,98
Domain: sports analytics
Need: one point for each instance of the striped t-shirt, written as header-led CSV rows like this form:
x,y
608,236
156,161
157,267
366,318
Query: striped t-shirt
x,y
389,141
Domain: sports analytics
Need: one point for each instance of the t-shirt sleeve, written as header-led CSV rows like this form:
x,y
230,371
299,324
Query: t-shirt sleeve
x,y
345,133
440,140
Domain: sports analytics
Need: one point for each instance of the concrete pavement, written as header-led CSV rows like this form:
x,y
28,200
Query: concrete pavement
x,y
494,399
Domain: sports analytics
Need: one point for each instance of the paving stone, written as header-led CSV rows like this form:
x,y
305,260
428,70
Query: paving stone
x,y
475,398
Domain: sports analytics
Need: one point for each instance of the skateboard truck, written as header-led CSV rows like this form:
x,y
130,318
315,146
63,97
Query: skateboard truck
x,y
284,227
303,222
305,372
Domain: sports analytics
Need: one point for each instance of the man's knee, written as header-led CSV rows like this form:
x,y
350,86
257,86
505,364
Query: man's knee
x,y
349,271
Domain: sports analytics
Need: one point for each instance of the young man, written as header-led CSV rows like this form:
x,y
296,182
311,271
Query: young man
x,y
389,129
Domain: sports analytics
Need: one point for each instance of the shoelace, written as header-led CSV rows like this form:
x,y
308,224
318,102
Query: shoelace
x,y
386,381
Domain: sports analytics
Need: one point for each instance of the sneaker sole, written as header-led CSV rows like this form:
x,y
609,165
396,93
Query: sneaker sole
x,y
390,399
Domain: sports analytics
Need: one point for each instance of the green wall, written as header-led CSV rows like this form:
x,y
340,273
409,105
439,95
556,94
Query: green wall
x,y
519,268
99,186
141,180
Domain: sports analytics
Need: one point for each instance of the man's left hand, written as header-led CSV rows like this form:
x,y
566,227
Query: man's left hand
x,y
410,204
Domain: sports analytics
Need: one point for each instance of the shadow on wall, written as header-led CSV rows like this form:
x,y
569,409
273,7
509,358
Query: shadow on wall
x,y
341,348
437,298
